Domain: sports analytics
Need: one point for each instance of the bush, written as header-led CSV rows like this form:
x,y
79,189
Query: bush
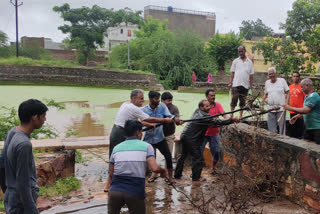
x,y
171,56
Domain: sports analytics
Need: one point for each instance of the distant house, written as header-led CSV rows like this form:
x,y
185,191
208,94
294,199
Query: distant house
x,y
119,35
57,50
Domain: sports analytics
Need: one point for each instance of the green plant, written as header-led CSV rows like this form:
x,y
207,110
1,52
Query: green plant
x,y
9,119
52,102
79,157
171,56
223,48
62,187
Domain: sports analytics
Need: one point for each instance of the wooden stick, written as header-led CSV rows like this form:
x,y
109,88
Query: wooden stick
x,y
278,121
260,113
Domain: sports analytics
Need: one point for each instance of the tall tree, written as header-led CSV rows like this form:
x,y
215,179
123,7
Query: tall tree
x,y
87,26
223,48
301,49
302,19
251,29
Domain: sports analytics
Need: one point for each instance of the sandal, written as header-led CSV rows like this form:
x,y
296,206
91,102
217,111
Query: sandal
x,y
152,179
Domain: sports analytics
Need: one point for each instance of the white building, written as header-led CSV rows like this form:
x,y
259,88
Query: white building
x,y
118,35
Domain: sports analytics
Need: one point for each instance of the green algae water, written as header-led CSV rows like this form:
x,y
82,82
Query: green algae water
x,y
91,111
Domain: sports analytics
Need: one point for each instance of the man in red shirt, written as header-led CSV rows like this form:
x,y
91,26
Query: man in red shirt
x,y
296,100
212,133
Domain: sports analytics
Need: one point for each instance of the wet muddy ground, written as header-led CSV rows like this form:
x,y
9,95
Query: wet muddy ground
x,y
161,197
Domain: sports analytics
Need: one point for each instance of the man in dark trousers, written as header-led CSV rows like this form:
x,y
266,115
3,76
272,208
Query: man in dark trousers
x,y
170,128
193,135
21,179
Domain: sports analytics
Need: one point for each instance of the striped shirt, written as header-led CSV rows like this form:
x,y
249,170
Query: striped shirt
x,y
130,163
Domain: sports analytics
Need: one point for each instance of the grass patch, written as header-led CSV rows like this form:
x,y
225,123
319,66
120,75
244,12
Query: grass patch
x,y
61,187
41,62
79,157
59,63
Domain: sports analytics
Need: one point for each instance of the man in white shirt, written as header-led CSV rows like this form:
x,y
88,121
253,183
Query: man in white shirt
x,y
276,90
240,79
130,110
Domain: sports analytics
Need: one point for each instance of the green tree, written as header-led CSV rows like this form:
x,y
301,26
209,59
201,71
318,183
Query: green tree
x,y
251,29
87,26
223,48
300,50
3,39
302,20
285,54
171,56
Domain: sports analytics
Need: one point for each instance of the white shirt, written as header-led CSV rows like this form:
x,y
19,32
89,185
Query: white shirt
x,y
242,71
129,111
276,93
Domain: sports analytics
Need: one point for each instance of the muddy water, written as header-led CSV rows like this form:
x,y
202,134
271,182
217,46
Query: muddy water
x,y
89,111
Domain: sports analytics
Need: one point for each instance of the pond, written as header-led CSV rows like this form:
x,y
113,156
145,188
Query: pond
x,y
91,111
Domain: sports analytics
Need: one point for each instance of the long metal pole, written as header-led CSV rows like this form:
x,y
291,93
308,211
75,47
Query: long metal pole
x,y
16,5
17,34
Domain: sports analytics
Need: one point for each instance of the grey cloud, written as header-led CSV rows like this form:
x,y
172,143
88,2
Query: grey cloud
x,y
37,18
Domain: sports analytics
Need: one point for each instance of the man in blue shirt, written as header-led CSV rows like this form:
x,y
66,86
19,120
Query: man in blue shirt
x,y
310,112
156,136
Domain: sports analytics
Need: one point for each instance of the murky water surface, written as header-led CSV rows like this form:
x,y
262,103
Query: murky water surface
x,y
90,111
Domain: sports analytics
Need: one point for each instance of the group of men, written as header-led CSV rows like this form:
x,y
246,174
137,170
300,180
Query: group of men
x,y
299,98
130,157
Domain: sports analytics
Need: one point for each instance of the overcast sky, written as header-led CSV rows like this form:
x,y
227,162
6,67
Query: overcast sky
x,y
37,19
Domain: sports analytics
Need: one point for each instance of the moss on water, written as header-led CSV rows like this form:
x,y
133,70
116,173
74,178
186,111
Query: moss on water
x,y
96,105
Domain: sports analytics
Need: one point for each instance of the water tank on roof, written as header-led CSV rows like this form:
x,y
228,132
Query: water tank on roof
x,y
170,9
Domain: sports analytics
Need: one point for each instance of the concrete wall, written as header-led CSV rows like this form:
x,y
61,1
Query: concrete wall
x,y
196,23
294,163
75,76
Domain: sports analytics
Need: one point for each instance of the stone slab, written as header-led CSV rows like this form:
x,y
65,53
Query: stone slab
x,y
69,143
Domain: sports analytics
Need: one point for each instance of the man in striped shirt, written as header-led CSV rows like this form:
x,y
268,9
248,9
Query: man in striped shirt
x,y
128,163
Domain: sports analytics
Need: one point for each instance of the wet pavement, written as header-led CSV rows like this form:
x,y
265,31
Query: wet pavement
x,y
161,197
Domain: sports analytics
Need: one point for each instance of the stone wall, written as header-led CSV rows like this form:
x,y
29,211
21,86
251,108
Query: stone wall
x,y
220,83
294,163
53,166
75,76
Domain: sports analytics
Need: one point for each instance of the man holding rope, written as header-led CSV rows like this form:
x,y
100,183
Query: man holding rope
x,y
156,136
130,110
276,90
310,112
192,136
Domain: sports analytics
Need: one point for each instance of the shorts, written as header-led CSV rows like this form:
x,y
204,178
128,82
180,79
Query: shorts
x,y
240,93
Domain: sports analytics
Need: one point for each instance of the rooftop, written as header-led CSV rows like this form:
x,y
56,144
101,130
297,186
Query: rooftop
x,y
178,10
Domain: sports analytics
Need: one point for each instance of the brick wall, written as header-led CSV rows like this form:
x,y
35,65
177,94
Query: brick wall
x,y
75,76
264,155
71,55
